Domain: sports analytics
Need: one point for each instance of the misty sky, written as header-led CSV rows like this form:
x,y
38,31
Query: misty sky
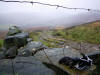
x,y
26,14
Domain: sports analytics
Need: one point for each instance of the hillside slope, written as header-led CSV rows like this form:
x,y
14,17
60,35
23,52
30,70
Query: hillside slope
x,y
89,32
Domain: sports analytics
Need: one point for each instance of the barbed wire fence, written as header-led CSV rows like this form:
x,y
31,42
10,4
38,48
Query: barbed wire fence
x,y
53,5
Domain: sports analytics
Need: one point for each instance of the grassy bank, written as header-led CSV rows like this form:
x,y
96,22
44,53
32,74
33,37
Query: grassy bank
x,y
35,36
83,33
1,43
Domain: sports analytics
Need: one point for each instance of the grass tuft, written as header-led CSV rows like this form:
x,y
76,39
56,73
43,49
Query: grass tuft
x,y
1,43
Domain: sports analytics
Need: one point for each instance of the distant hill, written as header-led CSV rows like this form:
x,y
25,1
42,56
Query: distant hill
x,y
35,28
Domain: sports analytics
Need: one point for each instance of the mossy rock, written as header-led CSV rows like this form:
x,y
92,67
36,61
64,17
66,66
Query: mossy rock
x,y
18,40
14,30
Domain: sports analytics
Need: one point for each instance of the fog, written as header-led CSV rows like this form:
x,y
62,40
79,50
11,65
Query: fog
x,y
24,14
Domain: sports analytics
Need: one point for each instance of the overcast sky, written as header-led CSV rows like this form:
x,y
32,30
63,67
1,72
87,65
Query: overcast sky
x,y
26,14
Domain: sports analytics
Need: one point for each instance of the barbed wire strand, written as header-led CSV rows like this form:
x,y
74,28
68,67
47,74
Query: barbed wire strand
x,y
57,6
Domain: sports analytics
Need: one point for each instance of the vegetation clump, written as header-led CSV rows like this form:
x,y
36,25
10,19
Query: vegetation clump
x,y
1,43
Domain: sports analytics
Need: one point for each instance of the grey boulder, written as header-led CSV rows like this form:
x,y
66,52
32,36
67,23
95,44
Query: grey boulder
x,y
13,30
18,40
31,48
24,66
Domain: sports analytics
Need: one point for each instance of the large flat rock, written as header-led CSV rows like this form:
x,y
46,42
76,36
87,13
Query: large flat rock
x,y
30,49
52,56
55,54
24,66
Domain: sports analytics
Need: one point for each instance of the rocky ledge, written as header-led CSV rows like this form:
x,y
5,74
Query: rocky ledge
x,y
23,56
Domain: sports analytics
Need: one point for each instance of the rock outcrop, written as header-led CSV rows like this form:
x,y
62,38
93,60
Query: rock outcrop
x,y
24,66
18,44
18,40
14,39
13,30
31,48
